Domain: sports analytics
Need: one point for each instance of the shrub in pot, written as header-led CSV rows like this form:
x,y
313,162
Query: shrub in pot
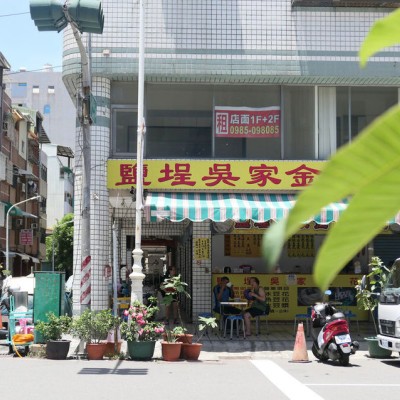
x,y
141,331
52,331
368,300
170,347
92,327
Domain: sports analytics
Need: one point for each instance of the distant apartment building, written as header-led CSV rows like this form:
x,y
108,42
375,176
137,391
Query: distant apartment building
x,y
45,91
60,186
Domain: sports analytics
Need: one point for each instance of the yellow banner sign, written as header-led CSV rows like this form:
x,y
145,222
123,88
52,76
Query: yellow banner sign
x,y
291,294
214,174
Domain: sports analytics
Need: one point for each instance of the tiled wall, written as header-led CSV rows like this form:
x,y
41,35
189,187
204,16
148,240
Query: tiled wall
x,y
249,40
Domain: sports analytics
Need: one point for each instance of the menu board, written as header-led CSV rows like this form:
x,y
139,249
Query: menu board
x,y
291,294
243,245
301,246
202,248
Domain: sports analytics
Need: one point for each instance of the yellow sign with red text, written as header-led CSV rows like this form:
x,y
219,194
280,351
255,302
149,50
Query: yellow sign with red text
x,y
214,174
291,294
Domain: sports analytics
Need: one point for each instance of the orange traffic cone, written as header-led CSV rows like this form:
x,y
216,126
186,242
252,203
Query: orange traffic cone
x,y
300,348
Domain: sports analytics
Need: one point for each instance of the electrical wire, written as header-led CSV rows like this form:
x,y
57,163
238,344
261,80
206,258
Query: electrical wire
x,y
12,15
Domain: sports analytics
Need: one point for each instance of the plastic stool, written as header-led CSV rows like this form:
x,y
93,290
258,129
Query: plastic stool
x,y
348,315
258,324
234,318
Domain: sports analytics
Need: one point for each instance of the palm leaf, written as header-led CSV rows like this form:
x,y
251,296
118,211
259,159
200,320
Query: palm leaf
x,y
384,33
374,154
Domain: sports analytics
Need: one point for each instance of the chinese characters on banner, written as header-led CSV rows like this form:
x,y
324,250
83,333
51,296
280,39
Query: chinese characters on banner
x,y
292,294
202,248
301,246
26,237
214,174
243,245
245,122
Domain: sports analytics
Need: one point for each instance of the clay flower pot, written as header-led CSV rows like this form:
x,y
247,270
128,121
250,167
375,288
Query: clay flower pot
x,y
110,348
185,338
191,351
171,351
95,351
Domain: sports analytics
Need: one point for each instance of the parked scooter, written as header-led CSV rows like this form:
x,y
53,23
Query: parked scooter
x,y
331,335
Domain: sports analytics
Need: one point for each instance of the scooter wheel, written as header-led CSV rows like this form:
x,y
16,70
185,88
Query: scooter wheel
x,y
344,359
316,354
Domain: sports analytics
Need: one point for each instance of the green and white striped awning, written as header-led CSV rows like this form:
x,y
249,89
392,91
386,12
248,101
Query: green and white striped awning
x,y
220,207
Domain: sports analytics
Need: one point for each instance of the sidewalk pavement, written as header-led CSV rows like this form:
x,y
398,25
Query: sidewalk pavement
x,y
278,343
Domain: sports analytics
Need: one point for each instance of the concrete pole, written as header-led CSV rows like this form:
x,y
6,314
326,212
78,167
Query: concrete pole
x,y
7,234
84,117
115,267
137,275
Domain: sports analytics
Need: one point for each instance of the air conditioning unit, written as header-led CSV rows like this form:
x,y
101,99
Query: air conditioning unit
x,y
19,222
34,226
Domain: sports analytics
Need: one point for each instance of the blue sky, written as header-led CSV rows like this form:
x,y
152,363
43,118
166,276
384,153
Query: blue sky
x,y
22,44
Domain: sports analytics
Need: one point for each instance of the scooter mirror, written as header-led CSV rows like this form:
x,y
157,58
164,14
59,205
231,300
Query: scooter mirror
x,y
363,283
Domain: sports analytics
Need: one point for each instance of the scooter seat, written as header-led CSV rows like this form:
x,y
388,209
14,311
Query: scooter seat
x,y
338,315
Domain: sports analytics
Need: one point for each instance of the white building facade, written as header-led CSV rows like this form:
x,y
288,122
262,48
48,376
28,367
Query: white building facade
x,y
204,61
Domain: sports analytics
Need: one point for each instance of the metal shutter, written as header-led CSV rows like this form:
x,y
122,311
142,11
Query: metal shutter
x,y
387,247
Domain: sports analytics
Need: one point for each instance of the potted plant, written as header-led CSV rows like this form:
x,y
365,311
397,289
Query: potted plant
x,y
52,331
368,300
191,351
170,347
174,286
141,331
93,327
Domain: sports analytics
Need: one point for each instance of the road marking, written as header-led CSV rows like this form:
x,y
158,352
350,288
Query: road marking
x,y
285,382
354,384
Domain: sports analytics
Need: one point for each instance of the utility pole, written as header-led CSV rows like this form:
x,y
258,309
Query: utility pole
x,y
7,234
82,16
137,275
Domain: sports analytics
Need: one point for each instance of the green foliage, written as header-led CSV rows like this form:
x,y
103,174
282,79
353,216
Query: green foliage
x,y
63,244
140,326
179,330
377,279
171,287
206,323
367,169
384,33
93,326
55,327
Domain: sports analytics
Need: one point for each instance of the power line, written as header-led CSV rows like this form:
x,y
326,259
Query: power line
x,y
11,15
32,70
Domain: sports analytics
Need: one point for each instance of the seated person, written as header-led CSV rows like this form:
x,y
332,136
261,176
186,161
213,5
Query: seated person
x,y
221,293
259,305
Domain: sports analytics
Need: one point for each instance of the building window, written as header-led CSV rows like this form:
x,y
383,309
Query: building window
x,y
18,89
43,173
125,127
46,109
50,90
35,89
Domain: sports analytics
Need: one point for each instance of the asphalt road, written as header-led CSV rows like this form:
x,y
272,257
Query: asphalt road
x,y
228,378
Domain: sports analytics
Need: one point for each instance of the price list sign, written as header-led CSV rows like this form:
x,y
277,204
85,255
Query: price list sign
x,y
202,248
243,245
47,295
301,246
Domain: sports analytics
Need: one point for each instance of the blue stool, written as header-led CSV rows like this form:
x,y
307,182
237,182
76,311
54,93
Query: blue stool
x,y
234,318
348,315
258,324
306,317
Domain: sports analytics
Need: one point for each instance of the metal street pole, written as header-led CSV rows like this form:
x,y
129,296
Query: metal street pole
x,y
7,215
137,275
85,297
56,227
